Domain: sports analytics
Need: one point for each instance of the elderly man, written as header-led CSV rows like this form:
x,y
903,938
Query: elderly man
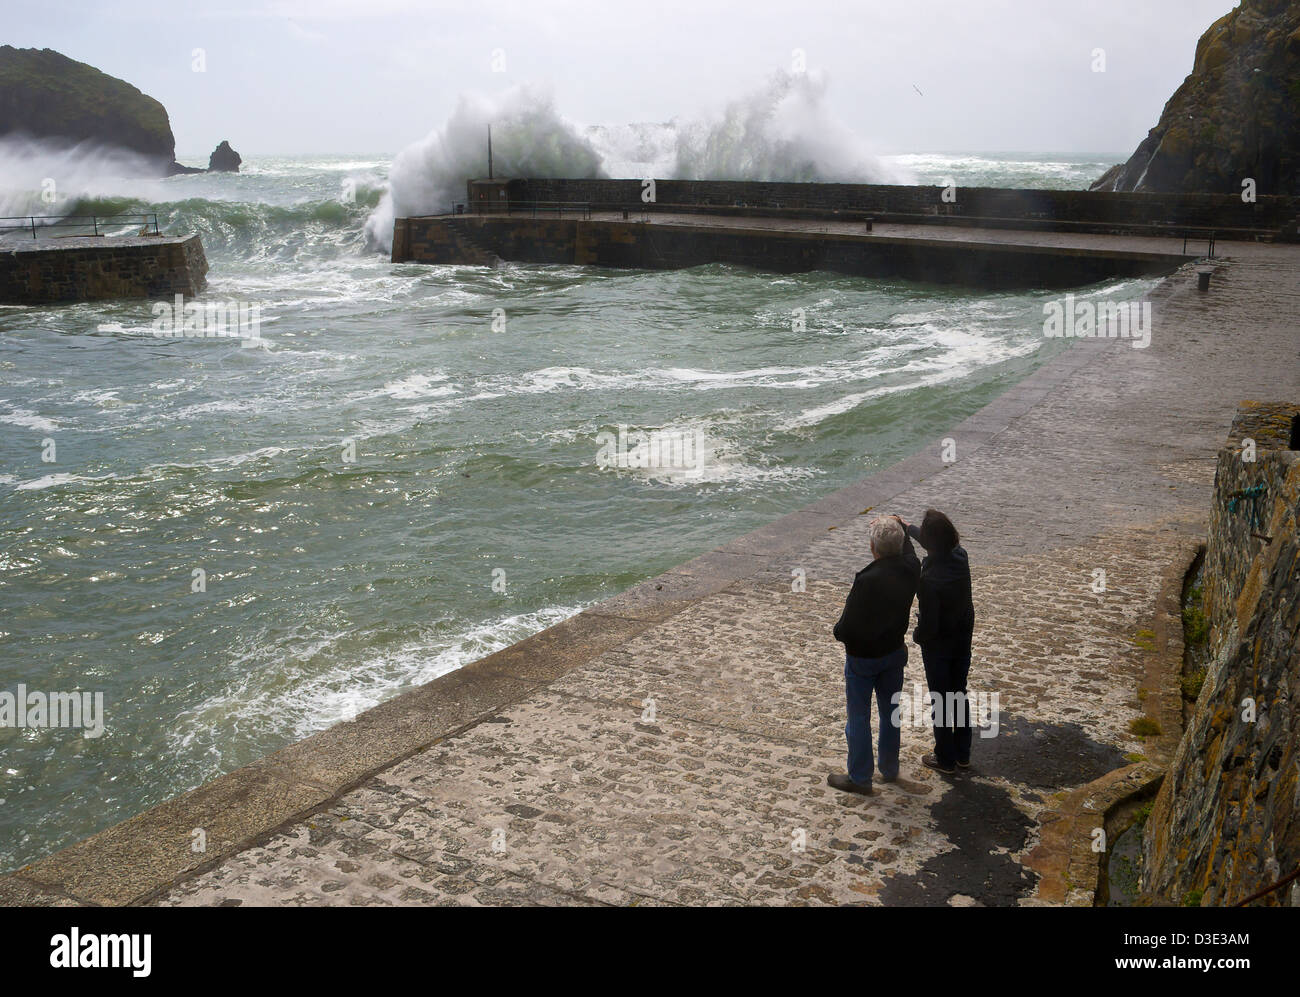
x,y
872,629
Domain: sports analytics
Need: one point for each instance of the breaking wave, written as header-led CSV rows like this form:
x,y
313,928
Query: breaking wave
x,y
529,138
783,131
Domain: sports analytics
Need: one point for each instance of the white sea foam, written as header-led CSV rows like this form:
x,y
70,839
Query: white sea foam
x,y
965,353
27,419
234,460
416,386
102,398
282,690
713,452
58,480
563,378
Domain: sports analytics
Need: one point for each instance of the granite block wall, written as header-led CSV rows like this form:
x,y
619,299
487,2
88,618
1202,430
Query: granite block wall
x,y
89,269
548,239
1226,822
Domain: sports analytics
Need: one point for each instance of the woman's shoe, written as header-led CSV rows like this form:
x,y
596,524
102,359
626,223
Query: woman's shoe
x,y
930,762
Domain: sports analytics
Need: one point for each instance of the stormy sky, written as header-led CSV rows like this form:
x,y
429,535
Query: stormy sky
x,y
370,76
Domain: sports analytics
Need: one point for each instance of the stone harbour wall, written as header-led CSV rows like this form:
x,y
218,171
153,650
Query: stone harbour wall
x,y
1226,821
445,242
470,239
1072,210
54,271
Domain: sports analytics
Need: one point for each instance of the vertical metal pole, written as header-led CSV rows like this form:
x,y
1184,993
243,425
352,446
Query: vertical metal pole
x,y
489,152
33,226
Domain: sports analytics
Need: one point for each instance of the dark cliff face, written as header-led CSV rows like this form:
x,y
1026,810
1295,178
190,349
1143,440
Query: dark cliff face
x,y
1237,116
47,95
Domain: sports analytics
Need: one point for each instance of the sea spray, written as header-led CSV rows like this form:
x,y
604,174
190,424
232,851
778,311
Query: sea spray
x,y
529,139
783,131
638,149
50,177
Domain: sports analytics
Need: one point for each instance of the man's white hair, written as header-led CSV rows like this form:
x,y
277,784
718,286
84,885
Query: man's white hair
x,y
886,536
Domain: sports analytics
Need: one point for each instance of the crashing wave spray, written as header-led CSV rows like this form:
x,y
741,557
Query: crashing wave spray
x,y
637,150
529,139
781,132
47,177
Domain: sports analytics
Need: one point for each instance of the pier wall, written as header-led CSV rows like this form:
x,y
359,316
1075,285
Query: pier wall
x,y
1226,822
469,239
53,271
1052,210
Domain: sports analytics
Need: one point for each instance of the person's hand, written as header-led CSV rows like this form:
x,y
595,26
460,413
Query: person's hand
x,y
901,521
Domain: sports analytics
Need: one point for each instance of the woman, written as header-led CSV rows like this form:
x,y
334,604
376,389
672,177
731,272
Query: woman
x,y
944,628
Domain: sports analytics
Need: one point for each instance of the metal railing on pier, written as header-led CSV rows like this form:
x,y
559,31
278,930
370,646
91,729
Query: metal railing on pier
x,y
145,221
574,209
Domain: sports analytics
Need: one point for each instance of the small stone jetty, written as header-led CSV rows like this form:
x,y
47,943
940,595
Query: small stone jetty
x,y
92,268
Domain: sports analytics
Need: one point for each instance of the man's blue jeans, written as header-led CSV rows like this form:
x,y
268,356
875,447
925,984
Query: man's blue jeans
x,y
884,677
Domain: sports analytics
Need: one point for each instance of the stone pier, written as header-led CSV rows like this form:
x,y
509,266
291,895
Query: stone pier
x,y
91,268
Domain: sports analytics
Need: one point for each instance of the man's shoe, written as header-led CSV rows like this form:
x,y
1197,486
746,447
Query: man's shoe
x,y
846,785
930,762
887,778
963,765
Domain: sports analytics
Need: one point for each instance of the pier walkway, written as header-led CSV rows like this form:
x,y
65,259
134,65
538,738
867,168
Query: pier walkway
x,y
671,745
1159,244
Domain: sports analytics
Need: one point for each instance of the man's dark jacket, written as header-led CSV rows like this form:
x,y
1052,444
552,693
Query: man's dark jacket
x,y
874,621
946,618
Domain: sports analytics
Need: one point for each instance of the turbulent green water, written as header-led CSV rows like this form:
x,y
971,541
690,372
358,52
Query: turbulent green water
x,y
332,585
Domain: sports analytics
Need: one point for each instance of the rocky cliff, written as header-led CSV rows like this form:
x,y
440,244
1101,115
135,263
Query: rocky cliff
x,y
1236,117
44,94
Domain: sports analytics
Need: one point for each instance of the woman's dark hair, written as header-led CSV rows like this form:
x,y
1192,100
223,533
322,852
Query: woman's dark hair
x,y
938,535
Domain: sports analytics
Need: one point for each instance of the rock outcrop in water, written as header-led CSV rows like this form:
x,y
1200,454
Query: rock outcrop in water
x,y
1236,117
224,159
